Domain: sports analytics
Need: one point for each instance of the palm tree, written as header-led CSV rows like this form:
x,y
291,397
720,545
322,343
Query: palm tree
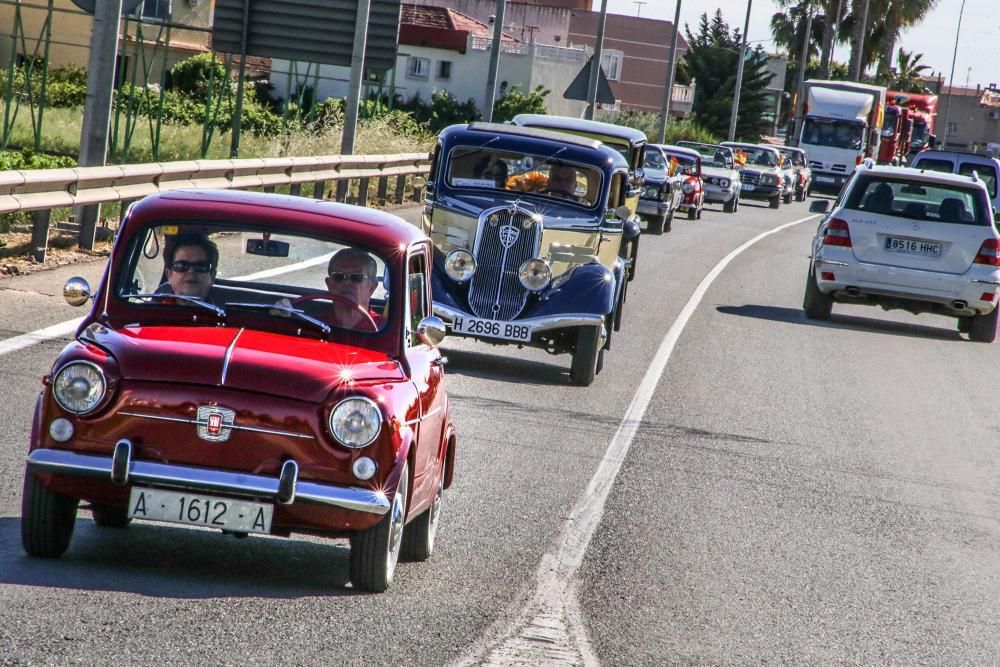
x,y
897,16
910,73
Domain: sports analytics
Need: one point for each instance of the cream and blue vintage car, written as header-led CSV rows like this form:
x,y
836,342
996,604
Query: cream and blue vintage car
x,y
527,227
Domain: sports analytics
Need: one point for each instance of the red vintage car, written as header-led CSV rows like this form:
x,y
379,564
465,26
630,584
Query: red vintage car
x,y
253,363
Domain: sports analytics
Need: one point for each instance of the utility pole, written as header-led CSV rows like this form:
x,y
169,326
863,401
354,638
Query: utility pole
x,y
739,76
638,6
829,38
354,92
97,108
671,71
858,42
803,60
595,68
234,142
491,79
951,77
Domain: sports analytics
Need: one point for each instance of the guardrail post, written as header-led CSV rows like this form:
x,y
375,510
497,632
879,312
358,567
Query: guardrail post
x,y
400,188
40,234
319,190
418,191
295,189
363,192
342,189
268,188
383,189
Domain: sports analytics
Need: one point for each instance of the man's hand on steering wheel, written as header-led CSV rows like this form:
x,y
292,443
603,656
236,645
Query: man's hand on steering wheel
x,y
336,298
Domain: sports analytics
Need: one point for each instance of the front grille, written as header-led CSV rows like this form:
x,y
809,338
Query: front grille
x,y
840,167
496,292
751,177
816,165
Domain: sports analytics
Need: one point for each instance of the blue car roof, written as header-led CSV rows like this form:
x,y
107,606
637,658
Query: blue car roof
x,y
579,125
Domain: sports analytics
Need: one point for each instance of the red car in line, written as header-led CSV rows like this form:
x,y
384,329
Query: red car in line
x,y
252,363
689,166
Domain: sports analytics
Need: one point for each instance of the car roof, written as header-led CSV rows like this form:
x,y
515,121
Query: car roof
x,y
571,147
679,150
382,232
534,132
743,144
971,157
700,143
923,175
790,149
579,125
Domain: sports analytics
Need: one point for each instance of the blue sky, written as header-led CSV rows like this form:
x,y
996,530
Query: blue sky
x,y
978,49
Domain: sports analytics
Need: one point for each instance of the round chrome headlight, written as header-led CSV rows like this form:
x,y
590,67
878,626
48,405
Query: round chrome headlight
x,y
724,182
79,387
460,265
688,187
355,422
535,275
650,193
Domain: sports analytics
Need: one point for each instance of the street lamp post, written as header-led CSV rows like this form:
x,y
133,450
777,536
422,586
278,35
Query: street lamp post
x,y
595,68
739,76
671,71
951,77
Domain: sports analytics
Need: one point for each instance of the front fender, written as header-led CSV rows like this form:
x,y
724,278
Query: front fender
x,y
631,229
591,288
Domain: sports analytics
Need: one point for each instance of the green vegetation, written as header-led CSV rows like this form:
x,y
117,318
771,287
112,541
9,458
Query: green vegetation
x,y
676,130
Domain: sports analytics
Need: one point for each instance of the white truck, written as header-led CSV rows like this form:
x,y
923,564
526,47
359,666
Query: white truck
x,y
840,125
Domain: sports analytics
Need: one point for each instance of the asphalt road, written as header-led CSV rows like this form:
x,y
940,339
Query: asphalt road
x,y
795,492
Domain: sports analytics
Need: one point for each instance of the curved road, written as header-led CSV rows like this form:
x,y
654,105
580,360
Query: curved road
x,y
794,492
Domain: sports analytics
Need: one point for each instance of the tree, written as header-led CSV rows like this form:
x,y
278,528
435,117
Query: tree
x,y
712,60
909,74
515,102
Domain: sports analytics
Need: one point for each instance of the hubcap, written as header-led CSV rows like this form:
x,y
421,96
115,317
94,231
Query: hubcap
x,y
435,513
396,527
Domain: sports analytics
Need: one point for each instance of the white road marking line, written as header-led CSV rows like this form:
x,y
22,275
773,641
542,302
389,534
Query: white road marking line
x,y
68,327
550,629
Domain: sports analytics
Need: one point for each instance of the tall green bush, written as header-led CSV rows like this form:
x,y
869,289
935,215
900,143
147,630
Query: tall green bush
x,y
648,122
516,102
192,77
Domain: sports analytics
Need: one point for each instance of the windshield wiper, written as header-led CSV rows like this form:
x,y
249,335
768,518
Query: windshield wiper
x,y
283,311
192,300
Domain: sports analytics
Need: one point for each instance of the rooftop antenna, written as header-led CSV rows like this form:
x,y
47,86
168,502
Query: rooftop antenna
x,y
638,6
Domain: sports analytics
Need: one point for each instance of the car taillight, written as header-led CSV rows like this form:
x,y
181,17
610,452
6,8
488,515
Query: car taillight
x,y
837,233
858,159
989,253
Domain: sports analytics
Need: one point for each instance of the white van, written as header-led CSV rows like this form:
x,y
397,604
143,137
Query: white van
x,y
954,162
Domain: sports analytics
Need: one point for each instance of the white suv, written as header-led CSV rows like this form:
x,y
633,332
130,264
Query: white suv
x,y
915,240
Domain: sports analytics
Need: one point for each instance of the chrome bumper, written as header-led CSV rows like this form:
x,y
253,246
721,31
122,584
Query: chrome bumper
x,y
536,323
286,489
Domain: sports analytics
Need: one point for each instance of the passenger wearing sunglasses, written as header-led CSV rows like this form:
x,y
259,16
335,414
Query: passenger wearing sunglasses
x,y
191,261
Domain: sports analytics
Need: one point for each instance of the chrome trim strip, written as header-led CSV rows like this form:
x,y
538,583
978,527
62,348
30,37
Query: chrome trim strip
x,y
229,355
208,480
985,282
420,419
545,323
197,422
831,262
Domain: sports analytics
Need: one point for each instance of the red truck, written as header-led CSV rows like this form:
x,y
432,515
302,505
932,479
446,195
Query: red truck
x,y
922,110
897,126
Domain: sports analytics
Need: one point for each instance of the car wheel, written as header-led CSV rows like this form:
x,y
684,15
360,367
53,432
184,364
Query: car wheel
x,y
730,206
107,516
668,222
47,519
655,225
620,308
800,195
788,198
585,356
817,306
419,534
983,328
700,209
692,214
375,551
776,201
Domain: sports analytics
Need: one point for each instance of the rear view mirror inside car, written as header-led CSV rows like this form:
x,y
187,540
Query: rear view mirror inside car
x,y
267,248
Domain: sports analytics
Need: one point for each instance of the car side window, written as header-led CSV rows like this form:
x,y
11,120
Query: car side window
x,y
416,292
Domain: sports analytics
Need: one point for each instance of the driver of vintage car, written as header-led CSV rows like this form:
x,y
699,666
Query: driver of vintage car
x,y
562,181
352,277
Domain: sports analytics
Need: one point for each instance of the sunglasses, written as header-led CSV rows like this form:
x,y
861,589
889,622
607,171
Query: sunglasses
x,y
182,266
353,278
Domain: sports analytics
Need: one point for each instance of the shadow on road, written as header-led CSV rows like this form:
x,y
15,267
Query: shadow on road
x,y
507,369
167,562
852,322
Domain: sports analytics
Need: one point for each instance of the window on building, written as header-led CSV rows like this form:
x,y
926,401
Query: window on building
x,y
418,68
952,129
612,64
444,69
154,10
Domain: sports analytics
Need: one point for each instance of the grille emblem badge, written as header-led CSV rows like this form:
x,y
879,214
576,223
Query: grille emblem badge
x,y
215,423
508,235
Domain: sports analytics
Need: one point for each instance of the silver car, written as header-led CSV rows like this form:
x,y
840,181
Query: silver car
x,y
719,174
907,239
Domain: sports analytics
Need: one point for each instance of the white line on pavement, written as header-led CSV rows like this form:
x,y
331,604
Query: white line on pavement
x,y
550,628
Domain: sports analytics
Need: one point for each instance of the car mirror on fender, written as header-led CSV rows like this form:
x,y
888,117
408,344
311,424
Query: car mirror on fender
x,y
819,206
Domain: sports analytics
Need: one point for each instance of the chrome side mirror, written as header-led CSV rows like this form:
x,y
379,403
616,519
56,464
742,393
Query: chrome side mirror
x,y
623,212
431,331
76,291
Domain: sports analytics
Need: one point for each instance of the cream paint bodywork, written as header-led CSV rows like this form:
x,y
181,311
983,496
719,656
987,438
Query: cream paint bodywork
x,y
564,249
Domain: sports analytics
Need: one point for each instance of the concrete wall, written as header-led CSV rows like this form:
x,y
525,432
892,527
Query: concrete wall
x,y
972,125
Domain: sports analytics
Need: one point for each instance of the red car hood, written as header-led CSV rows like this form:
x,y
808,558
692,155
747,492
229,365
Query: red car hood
x,y
256,361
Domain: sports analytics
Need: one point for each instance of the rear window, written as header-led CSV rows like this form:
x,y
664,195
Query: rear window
x,y
947,166
987,173
915,200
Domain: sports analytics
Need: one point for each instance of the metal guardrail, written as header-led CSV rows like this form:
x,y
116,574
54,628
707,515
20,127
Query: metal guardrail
x,y
41,190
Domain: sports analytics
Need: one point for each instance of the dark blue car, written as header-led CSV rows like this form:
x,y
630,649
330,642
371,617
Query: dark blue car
x,y
528,228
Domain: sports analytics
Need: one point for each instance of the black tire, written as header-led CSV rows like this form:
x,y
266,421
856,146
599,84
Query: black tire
x,y
585,356
700,209
634,256
655,225
668,222
107,516
788,198
620,308
983,328
800,195
729,206
375,551
692,214
775,202
47,519
420,534
817,306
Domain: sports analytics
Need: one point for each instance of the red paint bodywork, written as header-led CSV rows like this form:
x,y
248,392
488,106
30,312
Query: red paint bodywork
x,y
161,364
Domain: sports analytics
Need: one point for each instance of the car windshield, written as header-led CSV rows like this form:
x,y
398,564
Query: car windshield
x,y
514,171
265,279
817,132
889,122
654,160
686,164
794,158
712,156
987,173
920,133
919,200
762,157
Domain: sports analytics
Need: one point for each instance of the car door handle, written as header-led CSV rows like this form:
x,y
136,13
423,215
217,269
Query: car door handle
x,y
440,361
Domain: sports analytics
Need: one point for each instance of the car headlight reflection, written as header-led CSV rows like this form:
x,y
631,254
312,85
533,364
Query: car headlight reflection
x,y
723,182
355,422
651,193
460,265
535,275
688,187
79,387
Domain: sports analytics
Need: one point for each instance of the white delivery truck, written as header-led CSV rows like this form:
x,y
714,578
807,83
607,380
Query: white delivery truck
x,y
840,125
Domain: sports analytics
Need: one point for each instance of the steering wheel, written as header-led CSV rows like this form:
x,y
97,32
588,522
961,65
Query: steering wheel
x,y
336,298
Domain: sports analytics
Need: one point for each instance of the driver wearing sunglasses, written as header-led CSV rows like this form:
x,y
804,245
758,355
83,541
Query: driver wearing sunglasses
x,y
352,275
190,266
